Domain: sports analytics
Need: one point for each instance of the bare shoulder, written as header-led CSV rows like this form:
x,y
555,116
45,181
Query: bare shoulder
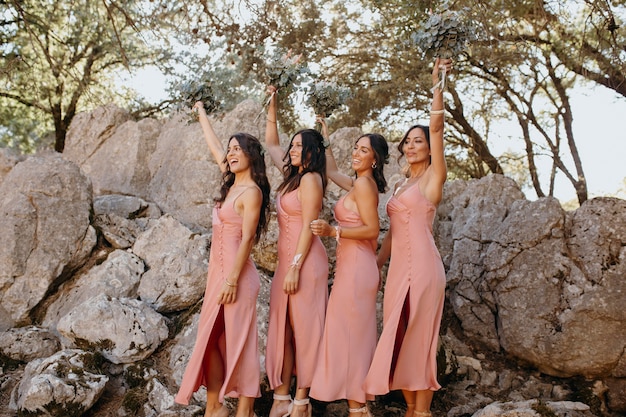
x,y
252,194
311,179
365,185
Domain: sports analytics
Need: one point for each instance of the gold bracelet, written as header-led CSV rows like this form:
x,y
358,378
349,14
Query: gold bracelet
x,y
229,284
271,121
442,111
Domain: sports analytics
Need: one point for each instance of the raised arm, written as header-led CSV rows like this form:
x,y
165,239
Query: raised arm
x,y
215,146
433,188
332,170
272,140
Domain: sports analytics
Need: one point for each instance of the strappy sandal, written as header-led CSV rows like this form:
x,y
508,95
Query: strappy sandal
x,y
422,413
362,410
285,397
304,401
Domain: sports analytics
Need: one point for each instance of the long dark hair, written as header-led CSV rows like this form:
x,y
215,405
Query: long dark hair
x,y
381,155
313,160
426,131
252,148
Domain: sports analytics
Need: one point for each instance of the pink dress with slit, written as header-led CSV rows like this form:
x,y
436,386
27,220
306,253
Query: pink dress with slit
x,y
238,344
350,332
406,354
307,305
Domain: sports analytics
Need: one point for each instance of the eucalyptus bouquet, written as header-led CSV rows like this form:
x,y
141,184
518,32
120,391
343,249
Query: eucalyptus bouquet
x,y
444,34
326,96
285,70
192,91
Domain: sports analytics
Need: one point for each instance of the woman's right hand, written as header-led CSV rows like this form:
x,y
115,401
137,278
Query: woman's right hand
x,y
198,106
322,121
290,285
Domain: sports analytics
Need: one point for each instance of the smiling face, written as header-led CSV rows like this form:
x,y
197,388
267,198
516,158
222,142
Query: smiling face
x,y
237,159
295,151
415,147
363,156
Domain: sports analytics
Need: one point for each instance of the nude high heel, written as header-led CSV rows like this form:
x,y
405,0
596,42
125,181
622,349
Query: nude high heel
x,y
286,397
362,410
304,401
422,413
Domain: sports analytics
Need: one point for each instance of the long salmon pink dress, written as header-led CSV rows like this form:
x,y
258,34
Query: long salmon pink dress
x,y
406,354
239,342
350,333
307,305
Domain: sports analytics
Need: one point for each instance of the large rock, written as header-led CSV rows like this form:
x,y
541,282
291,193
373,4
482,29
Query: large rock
x,y
27,343
176,259
45,204
118,276
526,278
63,385
124,330
533,408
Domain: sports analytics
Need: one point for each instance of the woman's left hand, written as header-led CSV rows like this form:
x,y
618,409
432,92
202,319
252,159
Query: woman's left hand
x,y
228,294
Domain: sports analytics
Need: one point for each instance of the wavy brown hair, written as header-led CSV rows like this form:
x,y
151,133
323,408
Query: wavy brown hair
x,y
252,148
313,160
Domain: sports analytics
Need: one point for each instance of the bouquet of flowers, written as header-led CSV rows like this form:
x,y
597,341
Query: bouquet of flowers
x,y
285,70
444,34
326,96
197,90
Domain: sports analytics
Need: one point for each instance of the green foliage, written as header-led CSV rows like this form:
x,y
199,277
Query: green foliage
x,y
193,91
446,33
285,71
59,57
326,96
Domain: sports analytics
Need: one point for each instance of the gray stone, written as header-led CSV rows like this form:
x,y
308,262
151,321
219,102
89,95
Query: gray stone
x,y
45,204
118,276
61,385
123,330
177,260
27,343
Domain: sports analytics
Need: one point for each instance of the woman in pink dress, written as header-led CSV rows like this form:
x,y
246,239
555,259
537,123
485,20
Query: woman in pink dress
x,y
299,291
406,354
350,331
225,357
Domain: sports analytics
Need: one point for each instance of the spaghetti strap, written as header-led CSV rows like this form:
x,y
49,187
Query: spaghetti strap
x,y
240,194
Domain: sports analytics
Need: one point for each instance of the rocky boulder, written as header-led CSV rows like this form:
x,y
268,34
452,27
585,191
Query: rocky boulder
x,y
45,222
123,330
64,384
